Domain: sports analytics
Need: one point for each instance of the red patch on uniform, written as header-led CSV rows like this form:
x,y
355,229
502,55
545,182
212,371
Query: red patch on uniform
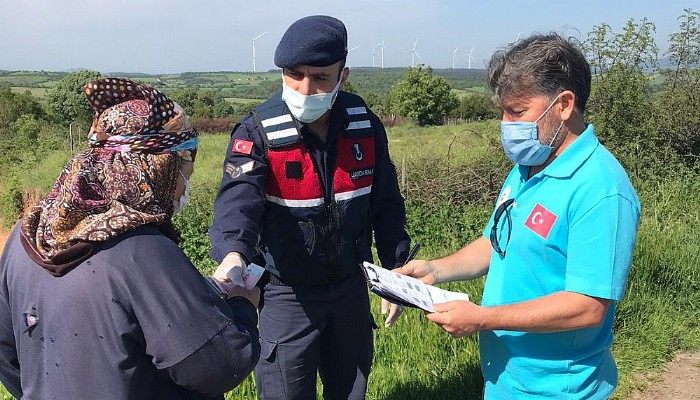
x,y
242,146
540,221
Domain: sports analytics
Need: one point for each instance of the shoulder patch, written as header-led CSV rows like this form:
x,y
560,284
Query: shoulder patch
x,y
242,146
235,171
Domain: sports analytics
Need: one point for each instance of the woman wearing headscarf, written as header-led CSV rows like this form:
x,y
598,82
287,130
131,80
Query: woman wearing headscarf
x,y
96,298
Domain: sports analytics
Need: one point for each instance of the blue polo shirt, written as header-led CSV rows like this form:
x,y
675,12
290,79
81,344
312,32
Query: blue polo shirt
x,y
571,227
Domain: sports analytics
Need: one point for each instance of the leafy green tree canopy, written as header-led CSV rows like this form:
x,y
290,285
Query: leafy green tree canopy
x,y
67,102
678,110
476,106
15,105
424,97
620,103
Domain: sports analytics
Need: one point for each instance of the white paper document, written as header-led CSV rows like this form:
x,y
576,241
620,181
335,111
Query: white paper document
x,y
406,290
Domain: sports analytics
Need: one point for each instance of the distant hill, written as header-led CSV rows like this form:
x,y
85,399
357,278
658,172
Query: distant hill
x,y
30,79
380,81
249,85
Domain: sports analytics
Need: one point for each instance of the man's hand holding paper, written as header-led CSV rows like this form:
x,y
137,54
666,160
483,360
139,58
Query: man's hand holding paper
x,y
419,269
458,318
404,289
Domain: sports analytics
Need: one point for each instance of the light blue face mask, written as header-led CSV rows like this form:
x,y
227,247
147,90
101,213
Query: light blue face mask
x,y
520,142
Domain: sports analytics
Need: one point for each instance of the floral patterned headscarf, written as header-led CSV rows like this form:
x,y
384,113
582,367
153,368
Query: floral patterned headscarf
x,y
126,179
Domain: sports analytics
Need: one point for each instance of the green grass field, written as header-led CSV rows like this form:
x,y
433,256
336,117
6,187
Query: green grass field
x,y
36,92
415,359
240,100
476,89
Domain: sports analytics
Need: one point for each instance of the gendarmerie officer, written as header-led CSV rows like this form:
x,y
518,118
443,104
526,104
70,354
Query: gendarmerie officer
x,y
306,181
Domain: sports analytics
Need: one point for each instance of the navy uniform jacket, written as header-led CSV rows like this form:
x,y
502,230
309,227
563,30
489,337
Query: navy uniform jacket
x,y
240,203
136,320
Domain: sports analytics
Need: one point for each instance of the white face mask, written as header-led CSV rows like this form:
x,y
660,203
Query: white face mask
x,y
179,204
309,108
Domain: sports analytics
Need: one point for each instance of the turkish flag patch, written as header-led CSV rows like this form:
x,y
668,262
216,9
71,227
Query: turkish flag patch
x,y
242,146
541,221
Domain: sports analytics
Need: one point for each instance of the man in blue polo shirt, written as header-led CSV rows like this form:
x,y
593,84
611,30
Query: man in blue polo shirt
x,y
557,249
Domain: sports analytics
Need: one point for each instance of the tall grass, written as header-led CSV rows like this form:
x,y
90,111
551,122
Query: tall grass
x,y
414,359
661,312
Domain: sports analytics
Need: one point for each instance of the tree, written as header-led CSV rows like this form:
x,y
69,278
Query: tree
x,y
375,103
476,106
199,103
19,126
223,109
185,98
423,97
684,49
620,103
634,48
14,105
67,102
678,106
348,87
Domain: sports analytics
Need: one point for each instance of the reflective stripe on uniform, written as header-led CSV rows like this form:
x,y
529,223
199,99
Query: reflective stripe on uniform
x,y
284,133
276,120
353,193
359,125
356,110
295,203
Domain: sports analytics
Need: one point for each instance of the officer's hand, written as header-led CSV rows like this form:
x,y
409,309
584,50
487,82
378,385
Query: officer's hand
x,y
231,289
394,311
231,269
458,318
420,269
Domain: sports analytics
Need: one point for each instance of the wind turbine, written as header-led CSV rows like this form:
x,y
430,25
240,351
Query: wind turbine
x,y
454,56
414,53
373,46
349,51
470,58
253,41
382,45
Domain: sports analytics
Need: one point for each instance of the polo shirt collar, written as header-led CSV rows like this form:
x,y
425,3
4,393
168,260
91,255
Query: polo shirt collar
x,y
573,156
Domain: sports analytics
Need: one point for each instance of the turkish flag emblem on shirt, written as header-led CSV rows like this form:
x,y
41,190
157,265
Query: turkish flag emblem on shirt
x,y
541,221
242,146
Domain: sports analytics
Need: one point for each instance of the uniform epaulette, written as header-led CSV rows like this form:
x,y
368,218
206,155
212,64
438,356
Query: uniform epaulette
x,y
359,123
276,122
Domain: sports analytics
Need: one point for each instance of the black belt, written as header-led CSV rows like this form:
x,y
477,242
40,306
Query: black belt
x,y
274,280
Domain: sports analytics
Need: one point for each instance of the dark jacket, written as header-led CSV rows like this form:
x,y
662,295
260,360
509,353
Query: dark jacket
x,y
310,243
135,320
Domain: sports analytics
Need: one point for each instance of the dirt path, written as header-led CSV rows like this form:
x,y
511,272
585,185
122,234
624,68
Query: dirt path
x,y
679,380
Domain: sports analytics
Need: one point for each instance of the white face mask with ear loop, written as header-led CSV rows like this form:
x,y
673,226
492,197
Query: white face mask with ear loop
x,y
179,204
308,108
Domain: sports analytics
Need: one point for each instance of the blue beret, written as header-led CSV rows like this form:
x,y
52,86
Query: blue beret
x,y
318,40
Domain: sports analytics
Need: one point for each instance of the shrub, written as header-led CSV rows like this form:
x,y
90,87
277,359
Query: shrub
x,y
213,125
10,201
193,223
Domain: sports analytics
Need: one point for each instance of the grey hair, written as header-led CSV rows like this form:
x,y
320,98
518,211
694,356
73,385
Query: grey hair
x,y
540,65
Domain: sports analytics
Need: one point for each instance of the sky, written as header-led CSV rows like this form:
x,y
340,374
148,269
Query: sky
x,y
166,37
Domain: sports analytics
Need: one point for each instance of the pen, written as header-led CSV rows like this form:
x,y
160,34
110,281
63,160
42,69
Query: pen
x,y
412,253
